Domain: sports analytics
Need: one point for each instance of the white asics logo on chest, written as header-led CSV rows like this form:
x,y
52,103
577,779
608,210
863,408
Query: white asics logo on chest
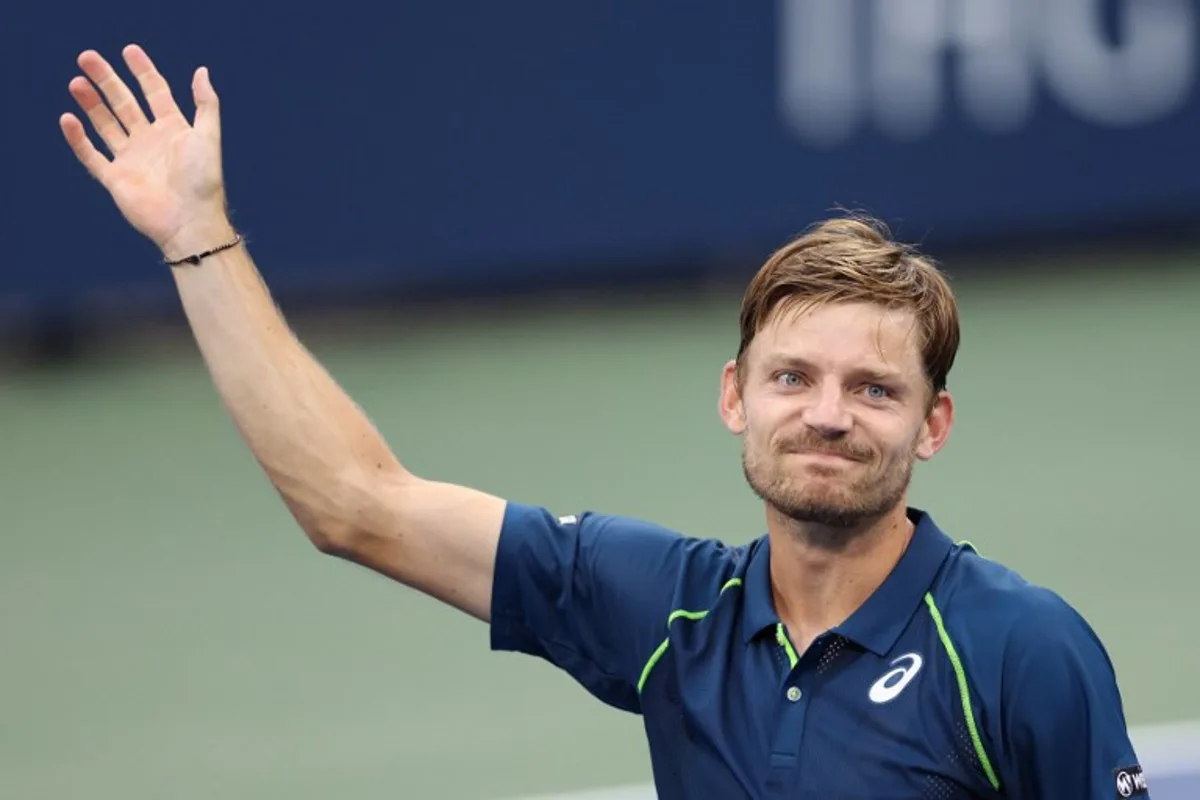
x,y
892,684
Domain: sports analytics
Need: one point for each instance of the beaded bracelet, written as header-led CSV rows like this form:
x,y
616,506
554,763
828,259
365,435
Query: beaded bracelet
x,y
193,260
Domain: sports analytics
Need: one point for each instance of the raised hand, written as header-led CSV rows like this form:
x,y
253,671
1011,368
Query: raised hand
x,y
164,173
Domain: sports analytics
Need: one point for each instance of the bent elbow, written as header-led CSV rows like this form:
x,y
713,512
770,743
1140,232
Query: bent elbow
x,y
331,529
331,540
351,520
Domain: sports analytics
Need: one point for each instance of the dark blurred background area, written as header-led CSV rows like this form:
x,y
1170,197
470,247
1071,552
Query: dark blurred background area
x,y
517,233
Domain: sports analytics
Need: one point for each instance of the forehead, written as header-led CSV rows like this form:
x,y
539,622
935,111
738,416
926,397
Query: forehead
x,y
842,335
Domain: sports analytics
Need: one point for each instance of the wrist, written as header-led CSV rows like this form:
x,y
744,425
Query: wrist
x,y
198,237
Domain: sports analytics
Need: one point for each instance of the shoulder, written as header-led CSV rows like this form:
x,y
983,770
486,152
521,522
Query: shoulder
x,y
1031,658
623,551
593,593
1003,614
1036,685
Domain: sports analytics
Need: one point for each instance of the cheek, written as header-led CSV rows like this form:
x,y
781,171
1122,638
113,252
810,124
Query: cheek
x,y
757,435
766,411
757,438
895,440
763,421
912,443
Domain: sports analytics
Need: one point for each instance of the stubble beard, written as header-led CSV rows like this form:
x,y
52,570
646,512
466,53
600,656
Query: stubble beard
x,y
842,508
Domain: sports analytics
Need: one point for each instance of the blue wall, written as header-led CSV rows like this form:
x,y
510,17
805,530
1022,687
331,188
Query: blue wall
x,y
444,144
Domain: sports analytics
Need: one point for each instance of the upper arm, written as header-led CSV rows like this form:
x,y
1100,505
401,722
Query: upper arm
x,y
590,594
1064,723
438,538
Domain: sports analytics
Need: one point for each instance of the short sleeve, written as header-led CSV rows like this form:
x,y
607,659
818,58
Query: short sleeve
x,y
590,594
1065,730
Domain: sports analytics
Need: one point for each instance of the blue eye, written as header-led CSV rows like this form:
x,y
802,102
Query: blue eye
x,y
877,392
789,379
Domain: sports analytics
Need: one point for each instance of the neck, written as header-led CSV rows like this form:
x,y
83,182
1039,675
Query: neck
x,y
820,576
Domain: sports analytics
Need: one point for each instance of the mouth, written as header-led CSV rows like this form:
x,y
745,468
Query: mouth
x,y
826,455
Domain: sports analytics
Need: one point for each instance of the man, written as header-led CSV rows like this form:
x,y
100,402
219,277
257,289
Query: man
x,y
851,652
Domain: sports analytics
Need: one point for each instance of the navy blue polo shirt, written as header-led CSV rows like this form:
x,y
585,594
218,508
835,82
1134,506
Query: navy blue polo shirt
x,y
956,679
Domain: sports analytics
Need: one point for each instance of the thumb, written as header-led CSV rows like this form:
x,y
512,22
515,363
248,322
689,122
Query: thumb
x,y
208,111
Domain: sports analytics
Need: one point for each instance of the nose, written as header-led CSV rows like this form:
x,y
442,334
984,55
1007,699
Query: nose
x,y
827,412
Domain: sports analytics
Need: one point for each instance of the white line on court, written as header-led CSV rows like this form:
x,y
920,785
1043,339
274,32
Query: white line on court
x,y
1168,749
1171,748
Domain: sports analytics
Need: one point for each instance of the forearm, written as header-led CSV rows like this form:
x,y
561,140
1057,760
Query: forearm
x,y
317,447
331,466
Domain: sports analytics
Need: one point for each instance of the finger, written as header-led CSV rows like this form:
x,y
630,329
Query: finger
x,y
124,105
208,106
82,146
154,86
106,125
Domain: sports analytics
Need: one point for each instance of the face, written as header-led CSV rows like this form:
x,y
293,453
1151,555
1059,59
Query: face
x,y
834,410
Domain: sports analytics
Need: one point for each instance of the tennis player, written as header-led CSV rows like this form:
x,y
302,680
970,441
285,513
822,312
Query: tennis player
x,y
853,651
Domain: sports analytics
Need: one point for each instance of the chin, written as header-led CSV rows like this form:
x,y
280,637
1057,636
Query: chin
x,y
831,503
824,512
821,500
825,495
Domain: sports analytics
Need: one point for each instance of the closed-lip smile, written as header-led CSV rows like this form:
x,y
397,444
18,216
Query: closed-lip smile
x,y
826,454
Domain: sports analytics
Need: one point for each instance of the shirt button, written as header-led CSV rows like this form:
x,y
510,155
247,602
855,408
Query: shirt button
x,y
793,693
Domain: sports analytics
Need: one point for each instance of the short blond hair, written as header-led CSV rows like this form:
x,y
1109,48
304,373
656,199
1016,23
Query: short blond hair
x,y
855,259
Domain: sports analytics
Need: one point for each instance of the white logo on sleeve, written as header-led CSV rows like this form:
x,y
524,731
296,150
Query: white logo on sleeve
x,y
1131,782
890,686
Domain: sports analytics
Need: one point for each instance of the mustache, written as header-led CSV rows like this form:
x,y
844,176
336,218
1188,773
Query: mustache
x,y
819,444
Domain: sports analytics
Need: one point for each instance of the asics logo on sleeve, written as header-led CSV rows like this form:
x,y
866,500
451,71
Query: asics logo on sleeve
x,y
890,686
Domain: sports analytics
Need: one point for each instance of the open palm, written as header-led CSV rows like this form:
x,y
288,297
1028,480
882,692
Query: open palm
x,y
164,173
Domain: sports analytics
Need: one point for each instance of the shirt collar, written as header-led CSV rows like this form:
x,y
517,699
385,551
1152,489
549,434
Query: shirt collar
x,y
878,622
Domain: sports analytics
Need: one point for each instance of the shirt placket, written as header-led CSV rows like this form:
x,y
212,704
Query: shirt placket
x,y
794,695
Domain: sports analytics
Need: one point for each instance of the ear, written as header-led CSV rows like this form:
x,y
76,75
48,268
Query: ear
x,y
733,412
936,429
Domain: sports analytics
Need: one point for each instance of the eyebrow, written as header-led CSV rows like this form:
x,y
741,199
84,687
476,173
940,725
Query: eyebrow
x,y
873,374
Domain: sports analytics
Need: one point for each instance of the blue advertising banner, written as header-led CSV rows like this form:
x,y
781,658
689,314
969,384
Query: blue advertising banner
x,y
452,145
